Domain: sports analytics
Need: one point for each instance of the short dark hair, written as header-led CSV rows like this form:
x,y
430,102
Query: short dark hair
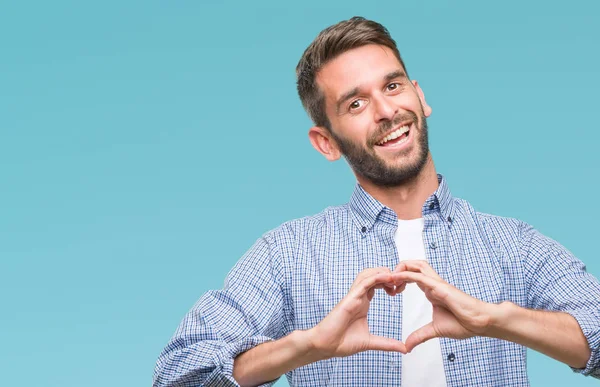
x,y
330,43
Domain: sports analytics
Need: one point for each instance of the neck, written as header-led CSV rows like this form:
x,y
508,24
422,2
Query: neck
x,y
407,199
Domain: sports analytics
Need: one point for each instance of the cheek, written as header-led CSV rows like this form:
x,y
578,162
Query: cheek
x,y
409,101
357,128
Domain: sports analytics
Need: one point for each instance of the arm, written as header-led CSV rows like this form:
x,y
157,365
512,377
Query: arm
x,y
269,361
458,315
343,332
247,312
558,281
555,334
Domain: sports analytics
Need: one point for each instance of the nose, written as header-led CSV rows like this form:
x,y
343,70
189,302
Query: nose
x,y
385,109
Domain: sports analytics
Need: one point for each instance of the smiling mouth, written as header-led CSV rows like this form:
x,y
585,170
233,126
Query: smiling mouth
x,y
397,137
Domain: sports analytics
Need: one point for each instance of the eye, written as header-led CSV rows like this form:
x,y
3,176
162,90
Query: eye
x,y
356,105
393,86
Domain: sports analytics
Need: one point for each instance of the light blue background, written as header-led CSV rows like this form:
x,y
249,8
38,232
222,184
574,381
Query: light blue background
x,y
144,146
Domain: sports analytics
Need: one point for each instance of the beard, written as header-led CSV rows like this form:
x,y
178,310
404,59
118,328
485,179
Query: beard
x,y
365,162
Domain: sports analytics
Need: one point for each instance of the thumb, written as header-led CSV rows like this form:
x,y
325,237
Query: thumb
x,y
421,335
380,343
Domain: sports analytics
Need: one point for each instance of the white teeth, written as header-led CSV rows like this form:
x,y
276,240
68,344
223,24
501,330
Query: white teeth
x,y
395,134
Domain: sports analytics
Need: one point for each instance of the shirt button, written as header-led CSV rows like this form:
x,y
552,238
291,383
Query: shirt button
x,y
449,219
363,229
432,206
433,245
451,357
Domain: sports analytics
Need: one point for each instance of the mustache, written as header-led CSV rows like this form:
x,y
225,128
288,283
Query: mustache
x,y
385,126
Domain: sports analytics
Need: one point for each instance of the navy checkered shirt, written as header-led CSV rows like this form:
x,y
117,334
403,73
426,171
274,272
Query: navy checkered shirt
x,y
295,274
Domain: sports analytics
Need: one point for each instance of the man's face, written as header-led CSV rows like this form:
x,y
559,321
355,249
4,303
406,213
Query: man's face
x,y
377,115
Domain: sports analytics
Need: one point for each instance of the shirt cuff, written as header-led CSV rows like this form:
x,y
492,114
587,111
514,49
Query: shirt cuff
x,y
588,321
222,376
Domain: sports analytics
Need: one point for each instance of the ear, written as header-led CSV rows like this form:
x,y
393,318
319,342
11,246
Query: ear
x,y
426,108
323,142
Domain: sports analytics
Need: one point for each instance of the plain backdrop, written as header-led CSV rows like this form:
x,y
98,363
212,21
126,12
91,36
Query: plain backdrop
x,y
145,145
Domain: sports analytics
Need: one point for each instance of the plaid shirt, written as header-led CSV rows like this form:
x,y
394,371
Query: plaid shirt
x,y
295,274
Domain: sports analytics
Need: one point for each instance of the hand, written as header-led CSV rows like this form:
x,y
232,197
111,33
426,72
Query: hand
x,y
344,331
456,314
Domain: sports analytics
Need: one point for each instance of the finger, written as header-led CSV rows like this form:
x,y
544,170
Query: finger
x,y
390,292
400,288
384,286
378,280
371,282
421,335
380,343
416,277
389,289
375,270
421,266
371,293
394,290
427,284
368,273
400,267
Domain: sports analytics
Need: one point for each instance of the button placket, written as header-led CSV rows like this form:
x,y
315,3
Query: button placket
x,y
434,238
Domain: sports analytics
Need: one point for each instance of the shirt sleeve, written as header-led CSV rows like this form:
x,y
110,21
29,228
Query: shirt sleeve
x,y
558,281
248,311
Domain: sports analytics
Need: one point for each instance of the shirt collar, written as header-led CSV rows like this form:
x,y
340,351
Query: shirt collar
x,y
366,210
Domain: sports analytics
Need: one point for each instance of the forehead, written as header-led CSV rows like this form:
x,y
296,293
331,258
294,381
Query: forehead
x,y
360,67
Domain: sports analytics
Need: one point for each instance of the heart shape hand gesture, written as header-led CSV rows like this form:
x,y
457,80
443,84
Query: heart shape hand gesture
x,y
344,331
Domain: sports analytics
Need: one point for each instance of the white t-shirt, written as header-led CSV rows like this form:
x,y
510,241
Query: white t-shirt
x,y
424,365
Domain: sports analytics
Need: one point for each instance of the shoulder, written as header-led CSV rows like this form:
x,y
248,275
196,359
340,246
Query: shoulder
x,y
271,252
283,245
296,230
515,236
501,228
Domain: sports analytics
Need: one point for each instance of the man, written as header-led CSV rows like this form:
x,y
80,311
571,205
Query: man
x,y
405,285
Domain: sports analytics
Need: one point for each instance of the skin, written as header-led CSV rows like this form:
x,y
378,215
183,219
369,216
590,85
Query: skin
x,y
361,121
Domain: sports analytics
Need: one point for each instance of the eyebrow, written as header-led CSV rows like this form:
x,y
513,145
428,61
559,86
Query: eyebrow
x,y
355,91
